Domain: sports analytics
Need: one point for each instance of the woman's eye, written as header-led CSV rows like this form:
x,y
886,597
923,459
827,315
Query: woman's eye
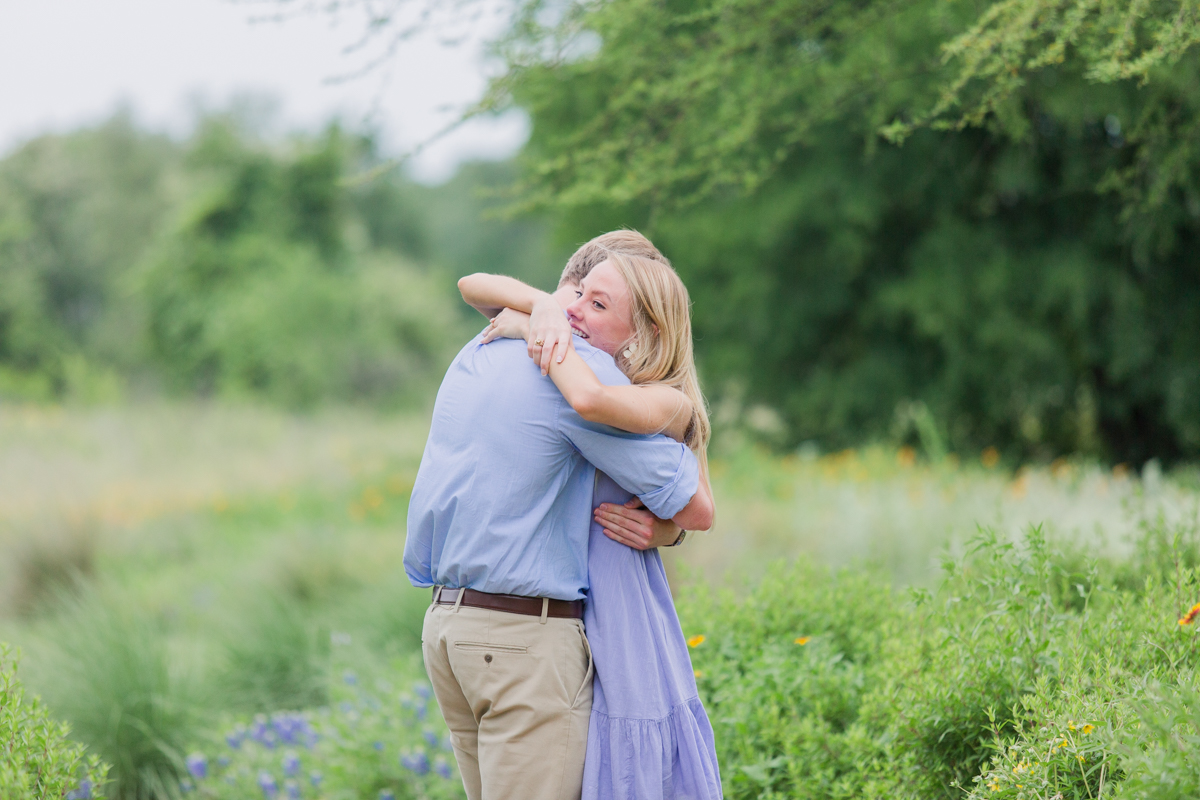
x,y
598,305
578,293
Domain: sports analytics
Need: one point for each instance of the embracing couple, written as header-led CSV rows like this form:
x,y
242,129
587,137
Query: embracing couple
x,y
554,468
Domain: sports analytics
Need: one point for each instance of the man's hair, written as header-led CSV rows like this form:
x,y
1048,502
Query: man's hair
x,y
624,242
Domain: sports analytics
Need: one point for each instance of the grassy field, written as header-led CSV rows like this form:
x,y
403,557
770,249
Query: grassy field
x,y
250,552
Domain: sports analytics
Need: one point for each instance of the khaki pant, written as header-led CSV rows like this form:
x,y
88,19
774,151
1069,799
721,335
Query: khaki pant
x,y
516,693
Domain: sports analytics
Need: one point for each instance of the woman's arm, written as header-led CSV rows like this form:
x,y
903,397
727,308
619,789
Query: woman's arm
x,y
547,336
489,294
637,409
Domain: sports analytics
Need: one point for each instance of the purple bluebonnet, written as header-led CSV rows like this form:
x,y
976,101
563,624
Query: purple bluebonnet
x,y
417,762
263,733
292,790
234,739
197,765
442,767
421,711
349,678
431,737
378,746
315,778
81,792
422,690
387,794
224,761
266,782
186,786
291,763
346,706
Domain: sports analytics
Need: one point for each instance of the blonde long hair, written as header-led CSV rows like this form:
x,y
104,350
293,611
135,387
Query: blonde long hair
x,y
659,299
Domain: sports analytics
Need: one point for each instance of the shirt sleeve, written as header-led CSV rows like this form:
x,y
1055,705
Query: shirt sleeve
x,y
660,471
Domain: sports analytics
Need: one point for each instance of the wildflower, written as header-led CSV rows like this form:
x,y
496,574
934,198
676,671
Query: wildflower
x,y
266,782
315,778
990,457
995,787
387,794
1190,615
1071,724
698,673
696,641
430,737
423,691
906,456
417,762
349,678
802,640
186,786
224,761
291,764
1088,729
82,792
292,789
441,767
378,746
197,764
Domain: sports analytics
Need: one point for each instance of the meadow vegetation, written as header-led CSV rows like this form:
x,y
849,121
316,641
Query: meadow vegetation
x,y
856,633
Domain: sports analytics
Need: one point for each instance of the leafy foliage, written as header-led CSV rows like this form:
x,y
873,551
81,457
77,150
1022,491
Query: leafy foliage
x,y
1022,675
1009,277
37,760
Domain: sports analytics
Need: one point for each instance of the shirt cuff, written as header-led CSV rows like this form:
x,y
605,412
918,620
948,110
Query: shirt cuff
x,y
669,500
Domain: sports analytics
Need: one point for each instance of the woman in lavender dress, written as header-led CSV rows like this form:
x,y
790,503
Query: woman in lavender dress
x,y
649,736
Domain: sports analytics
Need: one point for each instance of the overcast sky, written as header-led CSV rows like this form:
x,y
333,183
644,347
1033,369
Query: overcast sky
x,y
64,63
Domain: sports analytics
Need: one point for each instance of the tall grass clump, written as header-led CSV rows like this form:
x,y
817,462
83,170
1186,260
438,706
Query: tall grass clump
x,y
276,659
1031,671
37,760
108,673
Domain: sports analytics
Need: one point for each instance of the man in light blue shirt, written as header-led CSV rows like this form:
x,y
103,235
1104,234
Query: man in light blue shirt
x,y
499,517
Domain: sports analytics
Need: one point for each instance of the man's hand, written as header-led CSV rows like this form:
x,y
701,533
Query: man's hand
x,y
632,525
549,333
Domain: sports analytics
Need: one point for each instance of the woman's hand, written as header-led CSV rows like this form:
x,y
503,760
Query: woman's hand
x,y
549,333
632,525
508,324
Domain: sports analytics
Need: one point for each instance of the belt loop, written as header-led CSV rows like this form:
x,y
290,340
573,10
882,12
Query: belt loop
x,y
458,600
437,594
545,609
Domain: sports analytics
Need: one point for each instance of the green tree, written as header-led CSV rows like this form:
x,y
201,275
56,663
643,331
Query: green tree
x,y
1029,279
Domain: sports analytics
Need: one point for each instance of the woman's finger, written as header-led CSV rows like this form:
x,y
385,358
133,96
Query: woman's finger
x,y
548,352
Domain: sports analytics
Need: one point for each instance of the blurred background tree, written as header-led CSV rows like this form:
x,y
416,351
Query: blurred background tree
x,y
990,211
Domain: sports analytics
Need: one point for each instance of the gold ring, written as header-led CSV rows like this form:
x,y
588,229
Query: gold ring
x,y
539,342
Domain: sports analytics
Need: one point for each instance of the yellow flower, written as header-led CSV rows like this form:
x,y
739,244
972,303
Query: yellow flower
x,y
696,641
1088,728
803,640
699,674
1190,615
1070,724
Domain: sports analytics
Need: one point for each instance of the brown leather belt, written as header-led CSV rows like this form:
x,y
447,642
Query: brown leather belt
x,y
514,604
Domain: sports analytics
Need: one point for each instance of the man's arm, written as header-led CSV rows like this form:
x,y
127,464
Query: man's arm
x,y
660,471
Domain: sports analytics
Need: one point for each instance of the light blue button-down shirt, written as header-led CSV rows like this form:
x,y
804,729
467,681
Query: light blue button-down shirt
x,y
503,499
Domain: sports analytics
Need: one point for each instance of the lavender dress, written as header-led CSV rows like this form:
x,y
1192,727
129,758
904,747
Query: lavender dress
x,y
649,737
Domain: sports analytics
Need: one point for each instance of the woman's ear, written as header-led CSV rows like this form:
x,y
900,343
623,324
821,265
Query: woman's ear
x,y
655,328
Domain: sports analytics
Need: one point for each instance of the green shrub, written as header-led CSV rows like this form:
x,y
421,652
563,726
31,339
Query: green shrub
x,y
1025,674
276,660
37,760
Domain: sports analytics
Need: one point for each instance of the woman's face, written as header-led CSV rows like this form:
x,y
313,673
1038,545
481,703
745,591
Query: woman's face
x,y
603,312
